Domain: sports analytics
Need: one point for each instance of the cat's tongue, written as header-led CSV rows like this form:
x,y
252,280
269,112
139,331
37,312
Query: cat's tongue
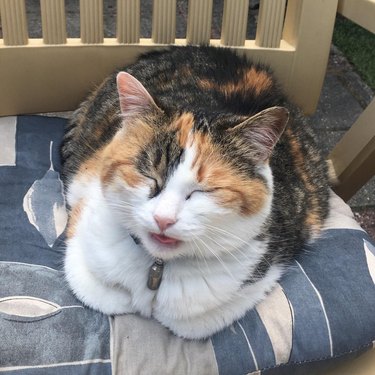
x,y
164,239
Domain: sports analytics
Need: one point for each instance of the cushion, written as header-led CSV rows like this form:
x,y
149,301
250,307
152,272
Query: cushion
x,y
321,312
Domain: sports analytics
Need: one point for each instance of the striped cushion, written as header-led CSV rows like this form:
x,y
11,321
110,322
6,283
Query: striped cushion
x,y
322,311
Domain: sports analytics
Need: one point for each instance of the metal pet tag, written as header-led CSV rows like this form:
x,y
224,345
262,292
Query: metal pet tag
x,y
155,274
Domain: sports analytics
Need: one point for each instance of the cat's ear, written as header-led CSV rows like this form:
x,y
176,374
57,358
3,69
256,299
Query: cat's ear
x,y
134,98
263,130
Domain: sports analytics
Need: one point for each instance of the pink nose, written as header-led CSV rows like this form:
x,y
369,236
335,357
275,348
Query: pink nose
x,y
164,222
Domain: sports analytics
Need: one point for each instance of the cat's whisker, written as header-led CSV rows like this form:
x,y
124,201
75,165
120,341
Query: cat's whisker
x,y
239,250
124,210
223,231
121,205
127,226
197,257
218,258
202,255
226,250
223,234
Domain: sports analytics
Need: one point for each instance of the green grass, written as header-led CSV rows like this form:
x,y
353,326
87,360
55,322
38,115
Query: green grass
x,y
358,45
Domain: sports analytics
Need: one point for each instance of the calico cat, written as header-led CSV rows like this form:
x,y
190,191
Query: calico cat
x,y
192,183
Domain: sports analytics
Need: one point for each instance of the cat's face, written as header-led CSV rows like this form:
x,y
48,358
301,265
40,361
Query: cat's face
x,y
182,189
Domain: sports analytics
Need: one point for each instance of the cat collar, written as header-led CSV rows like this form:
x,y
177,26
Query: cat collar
x,y
155,272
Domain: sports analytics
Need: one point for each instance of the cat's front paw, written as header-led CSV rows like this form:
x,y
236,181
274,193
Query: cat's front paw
x,y
108,300
195,328
94,293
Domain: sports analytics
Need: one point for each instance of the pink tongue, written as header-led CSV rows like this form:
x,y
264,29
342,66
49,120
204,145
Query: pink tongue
x,y
164,239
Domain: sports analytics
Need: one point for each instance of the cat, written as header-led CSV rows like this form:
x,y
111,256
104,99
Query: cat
x,y
192,183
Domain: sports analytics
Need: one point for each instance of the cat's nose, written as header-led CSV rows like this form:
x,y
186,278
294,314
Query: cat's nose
x,y
164,222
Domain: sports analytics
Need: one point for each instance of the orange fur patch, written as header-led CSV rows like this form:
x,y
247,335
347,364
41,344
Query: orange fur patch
x,y
74,217
251,79
313,219
183,125
258,80
229,187
89,168
119,156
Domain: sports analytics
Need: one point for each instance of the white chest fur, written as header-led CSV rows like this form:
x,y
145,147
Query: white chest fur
x,y
108,271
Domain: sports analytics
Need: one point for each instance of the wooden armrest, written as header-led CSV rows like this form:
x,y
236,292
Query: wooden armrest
x,y
353,158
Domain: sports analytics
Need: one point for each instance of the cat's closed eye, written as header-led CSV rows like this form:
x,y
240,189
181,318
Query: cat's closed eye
x,y
194,192
155,188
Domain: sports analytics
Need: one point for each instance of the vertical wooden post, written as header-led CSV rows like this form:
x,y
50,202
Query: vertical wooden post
x,y
309,30
270,23
199,22
13,21
233,29
53,21
91,21
164,21
353,158
128,21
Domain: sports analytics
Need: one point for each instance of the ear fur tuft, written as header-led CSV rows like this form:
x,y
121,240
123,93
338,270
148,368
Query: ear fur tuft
x,y
263,130
133,96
